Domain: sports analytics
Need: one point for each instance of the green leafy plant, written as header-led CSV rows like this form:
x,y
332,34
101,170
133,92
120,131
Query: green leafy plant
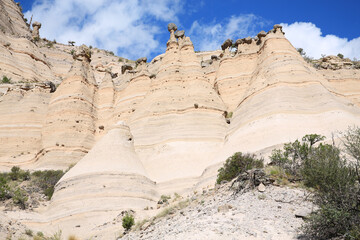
x,y
334,179
47,179
4,188
340,55
128,222
5,79
294,153
236,164
19,197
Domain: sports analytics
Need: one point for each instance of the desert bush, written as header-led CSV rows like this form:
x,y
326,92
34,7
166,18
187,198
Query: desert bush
x,y
19,197
326,171
29,232
128,222
18,174
47,180
352,146
337,191
294,154
340,55
236,164
5,79
4,188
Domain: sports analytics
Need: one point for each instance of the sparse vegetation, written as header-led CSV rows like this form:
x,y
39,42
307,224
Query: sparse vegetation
x,y
29,232
334,179
5,80
340,56
236,164
11,186
47,179
50,44
127,222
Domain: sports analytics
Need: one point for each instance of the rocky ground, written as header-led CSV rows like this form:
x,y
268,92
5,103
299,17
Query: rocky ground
x,y
273,213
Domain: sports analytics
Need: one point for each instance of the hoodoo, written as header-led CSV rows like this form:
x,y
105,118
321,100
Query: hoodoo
x,y
137,131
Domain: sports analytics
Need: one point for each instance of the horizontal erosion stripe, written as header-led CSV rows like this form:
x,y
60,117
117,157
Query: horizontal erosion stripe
x,y
130,98
264,116
240,77
342,79
59,114
279,84
180,112
69,98
31,55
71,215
20,126
45,151
188,139
115,193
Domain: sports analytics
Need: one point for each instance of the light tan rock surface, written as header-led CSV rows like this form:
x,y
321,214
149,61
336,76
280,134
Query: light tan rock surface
x,y
187,112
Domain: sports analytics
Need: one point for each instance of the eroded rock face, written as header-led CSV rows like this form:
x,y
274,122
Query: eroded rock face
x,y
175,133
36,28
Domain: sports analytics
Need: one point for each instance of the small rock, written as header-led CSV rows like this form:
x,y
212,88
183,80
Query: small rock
x,y
302,213
261,187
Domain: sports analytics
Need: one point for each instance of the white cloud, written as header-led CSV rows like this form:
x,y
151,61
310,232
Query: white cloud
x,y
129,27
309,37
210,36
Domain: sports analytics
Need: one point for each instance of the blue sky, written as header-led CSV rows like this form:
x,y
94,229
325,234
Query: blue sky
x,y
137,28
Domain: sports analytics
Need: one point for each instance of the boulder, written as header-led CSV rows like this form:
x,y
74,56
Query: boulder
x,y
214,57
83,53
226,44
125,67
247,40
277,26
180,34
141,60
172,27
238,42
52,86
261,34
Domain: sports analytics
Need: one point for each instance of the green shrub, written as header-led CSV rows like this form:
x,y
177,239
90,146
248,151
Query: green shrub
x,y
294,153
47,180
19,197
340,55
4,188
29,232
352,146
337,190
5,79
18,174
128,222
326,171
236,164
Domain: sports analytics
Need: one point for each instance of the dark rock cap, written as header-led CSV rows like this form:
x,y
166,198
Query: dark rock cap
x,y
180,34
247,40
226,44
140,60
36,24
125,67
172,26
261,34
